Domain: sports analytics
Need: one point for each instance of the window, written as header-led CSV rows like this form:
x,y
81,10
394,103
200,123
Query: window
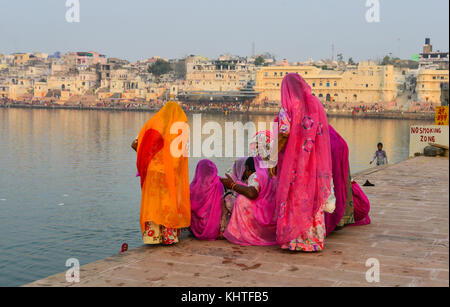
x,y
314,84
328,84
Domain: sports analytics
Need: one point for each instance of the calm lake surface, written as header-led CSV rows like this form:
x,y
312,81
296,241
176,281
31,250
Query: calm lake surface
x,y
68,187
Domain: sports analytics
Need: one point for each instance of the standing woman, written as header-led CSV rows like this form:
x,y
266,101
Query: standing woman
x,y
344,213
304,167
165,203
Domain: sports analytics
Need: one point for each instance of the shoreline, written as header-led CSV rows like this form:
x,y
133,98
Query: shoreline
x,y
411,254
426,116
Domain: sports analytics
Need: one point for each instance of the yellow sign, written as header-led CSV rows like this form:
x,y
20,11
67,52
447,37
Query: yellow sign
x,y
441,116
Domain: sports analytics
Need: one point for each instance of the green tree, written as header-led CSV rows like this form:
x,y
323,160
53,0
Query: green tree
x,y
159,68
351,62
386,60
340,57
259,61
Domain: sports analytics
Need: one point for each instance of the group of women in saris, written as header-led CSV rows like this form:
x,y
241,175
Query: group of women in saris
x,y
294,202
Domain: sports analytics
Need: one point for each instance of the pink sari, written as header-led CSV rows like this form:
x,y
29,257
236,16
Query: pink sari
x,y
361,206
304,164
253,222
340,166
206,201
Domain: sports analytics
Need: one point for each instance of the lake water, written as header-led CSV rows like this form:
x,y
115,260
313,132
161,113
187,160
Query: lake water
x,y
68,187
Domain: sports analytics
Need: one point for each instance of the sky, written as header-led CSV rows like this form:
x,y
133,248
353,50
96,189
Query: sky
x,y
296,30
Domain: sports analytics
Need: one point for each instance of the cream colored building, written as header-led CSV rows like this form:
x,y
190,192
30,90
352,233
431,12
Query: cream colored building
x,y
76,84
21,58
367,83
224,74
40,89
429,85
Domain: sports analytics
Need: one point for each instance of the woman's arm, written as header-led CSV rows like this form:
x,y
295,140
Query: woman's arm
x,y
249,192
282,140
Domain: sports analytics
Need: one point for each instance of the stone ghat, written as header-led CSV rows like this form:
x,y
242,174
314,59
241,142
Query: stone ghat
x,y
409,236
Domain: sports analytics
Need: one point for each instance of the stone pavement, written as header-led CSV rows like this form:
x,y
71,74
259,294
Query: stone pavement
x,y
409,236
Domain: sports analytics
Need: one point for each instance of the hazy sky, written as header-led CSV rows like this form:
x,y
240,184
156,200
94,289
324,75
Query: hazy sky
x,y
292,29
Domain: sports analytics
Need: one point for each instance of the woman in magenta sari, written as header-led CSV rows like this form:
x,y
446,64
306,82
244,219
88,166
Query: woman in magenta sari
x,y
253,221
206,201
304,167
343,213
349,210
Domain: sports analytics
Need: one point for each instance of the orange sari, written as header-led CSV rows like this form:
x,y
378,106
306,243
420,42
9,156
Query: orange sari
x,y
164,175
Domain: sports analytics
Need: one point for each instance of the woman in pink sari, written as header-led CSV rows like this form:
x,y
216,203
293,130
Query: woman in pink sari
x,y
253,221
304,167
206,201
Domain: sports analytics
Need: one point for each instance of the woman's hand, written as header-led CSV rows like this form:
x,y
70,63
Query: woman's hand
x,y
227,182
134,144
273,172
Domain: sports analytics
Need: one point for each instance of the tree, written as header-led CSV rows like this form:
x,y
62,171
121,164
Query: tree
x,y
351,62
259,61
386,60
340,57
159,68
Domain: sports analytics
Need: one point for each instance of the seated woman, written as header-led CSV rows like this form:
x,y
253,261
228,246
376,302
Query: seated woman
x,y
229,197
206,201
253,221
361,206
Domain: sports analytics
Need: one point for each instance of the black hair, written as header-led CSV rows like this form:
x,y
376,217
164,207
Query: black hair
x,y
250,164
380,144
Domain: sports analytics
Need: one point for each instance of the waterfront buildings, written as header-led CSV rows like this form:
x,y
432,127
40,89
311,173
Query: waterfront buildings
x,y
70,78
365,83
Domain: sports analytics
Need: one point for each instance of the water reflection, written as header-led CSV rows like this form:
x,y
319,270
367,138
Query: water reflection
x,y
83,159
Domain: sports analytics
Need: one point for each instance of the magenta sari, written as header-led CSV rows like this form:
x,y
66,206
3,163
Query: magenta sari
x,y
253,222
206,201
304,164
340,166
361,206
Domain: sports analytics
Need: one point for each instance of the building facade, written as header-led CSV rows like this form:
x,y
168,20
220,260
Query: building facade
x,y
225,74
430,84
366,83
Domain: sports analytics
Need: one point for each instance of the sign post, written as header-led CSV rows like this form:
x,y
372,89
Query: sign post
x,y
441,116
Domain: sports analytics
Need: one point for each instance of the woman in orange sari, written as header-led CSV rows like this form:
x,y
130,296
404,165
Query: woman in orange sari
x,y
162,164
